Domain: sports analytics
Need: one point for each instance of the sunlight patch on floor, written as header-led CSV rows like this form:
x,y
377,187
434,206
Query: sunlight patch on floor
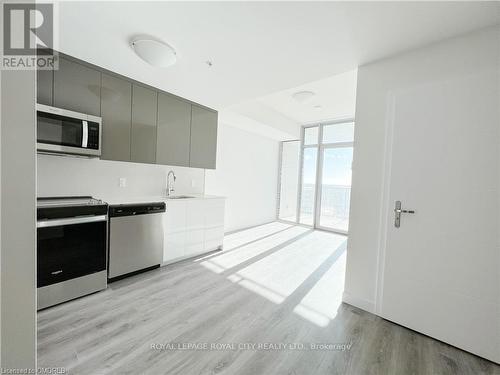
x,y
262,291
241,238
320,305
229,259
212,266
285,270
275,261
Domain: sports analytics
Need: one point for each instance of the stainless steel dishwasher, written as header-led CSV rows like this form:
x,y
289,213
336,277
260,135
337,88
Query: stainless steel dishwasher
x,y
135,238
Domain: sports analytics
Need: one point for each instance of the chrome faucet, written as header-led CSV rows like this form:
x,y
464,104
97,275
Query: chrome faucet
x,y
170,185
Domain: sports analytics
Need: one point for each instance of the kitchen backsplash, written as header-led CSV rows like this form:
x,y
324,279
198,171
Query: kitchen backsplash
x,y
62,175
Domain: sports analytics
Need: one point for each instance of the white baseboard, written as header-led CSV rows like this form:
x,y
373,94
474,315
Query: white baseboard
x,y
233,230
361,303
190,256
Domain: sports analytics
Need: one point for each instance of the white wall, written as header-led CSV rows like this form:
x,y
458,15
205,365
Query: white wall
x,y
0,220
247,173
18,259
289,180
247,168
426,67
62,175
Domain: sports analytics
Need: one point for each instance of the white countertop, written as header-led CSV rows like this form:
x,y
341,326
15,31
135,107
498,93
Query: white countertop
x,y
151,199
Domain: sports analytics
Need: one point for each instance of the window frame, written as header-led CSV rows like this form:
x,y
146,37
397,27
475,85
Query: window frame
x,y
280,171
319,170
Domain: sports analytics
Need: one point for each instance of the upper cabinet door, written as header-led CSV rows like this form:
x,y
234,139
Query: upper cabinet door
x,y
203,138
173,136
77,88
45,87
144,112
116,106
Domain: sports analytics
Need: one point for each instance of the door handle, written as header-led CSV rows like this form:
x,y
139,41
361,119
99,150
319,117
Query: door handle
x,y
69,221
397,213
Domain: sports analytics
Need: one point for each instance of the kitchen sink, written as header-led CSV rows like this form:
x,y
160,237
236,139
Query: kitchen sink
x,y
180,197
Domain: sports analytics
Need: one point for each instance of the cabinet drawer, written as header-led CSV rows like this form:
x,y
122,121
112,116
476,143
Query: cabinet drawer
x,y
175,245
175,217
195,242
214,238
195,214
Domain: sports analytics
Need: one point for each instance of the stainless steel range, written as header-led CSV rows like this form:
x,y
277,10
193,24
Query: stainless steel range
x,y
72,248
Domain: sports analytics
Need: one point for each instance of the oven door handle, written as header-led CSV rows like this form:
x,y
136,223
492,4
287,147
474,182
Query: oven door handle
x,y
70,221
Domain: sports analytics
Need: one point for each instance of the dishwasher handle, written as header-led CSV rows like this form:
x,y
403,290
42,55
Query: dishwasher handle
x,y
136,209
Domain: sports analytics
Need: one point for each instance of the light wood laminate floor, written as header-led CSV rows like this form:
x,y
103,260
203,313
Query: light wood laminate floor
x,y
274,284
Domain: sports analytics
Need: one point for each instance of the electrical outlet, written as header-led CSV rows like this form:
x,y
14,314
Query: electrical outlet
x,y
123,182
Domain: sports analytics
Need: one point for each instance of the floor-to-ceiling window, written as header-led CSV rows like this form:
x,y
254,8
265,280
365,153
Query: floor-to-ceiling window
x,y
335,176
309,175
289,178
321,167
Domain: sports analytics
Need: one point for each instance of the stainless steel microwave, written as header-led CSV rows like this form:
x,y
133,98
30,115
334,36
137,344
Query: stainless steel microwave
x,y
61,131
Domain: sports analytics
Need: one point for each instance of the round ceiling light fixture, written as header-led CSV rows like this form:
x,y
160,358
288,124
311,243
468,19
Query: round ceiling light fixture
x,y
154,52
303,96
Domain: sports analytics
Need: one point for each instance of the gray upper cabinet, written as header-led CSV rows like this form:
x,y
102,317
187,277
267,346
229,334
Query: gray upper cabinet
x,y
203,147
144,112
116,107
77,87
45,87
139,123
173,136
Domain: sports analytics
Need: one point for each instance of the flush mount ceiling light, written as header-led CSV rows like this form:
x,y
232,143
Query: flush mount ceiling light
x,y
154,52
303,96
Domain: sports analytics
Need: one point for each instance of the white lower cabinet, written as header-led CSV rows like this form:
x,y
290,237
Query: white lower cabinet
x,y
195,226
192,226
174,243
213,238
214,224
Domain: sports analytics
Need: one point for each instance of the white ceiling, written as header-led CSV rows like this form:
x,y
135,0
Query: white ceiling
x,y
334,98
259,48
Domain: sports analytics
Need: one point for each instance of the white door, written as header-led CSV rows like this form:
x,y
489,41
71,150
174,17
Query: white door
x,y
441,267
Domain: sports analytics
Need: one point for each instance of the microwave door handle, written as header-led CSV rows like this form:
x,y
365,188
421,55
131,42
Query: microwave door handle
x,y
85,133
